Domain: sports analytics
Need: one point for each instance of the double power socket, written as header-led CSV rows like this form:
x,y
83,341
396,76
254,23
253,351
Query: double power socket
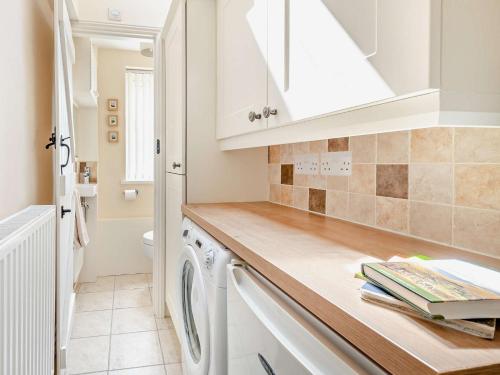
x,y
326,164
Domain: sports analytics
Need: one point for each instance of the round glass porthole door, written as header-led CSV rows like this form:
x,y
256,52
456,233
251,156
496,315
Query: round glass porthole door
x,y
194,311
190,328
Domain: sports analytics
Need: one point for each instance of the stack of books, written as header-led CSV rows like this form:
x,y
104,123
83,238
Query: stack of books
x,y
450,293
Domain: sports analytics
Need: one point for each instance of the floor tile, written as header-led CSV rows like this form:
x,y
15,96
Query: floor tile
x,y
88,355
97,373
134,319
132,298
173,369
170,346
94,301
150,370
164,323
137,281
91,323
135,350
103,284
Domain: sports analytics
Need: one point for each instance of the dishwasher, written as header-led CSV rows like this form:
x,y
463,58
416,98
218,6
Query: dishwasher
x,y
271,334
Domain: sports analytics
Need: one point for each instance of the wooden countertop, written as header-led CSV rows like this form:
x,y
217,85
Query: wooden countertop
x,y
313,259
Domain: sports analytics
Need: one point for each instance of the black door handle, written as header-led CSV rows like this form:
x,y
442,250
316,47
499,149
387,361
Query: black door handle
x,y
68,154
265,365
64,211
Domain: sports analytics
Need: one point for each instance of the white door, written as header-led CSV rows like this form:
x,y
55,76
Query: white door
x,y
175,91
64,175
242,66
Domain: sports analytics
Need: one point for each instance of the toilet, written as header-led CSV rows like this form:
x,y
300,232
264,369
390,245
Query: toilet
x,y
147,244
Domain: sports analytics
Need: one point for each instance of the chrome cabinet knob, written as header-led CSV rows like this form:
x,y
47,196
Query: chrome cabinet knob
x,y
176,165
252,116
267,111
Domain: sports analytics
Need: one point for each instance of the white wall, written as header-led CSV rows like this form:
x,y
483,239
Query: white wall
x,y
134,12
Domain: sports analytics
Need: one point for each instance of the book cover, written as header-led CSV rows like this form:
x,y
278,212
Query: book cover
x,y
430,284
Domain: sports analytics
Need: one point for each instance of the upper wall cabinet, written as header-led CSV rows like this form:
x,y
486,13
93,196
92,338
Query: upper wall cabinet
x,y
242,67
85,73
339,67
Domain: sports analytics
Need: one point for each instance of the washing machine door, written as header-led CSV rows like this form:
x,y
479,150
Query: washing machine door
x,y
193,301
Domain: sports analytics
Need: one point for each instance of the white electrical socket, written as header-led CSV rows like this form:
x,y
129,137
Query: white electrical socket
x,y
114,14
307,164
336,163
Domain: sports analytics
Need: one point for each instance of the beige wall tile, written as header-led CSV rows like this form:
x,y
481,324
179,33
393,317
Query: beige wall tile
x,y
478,186
316,181
392,213
393,147
362,208
300,180
340,183
477,145
318,146
274,173
275,193
287,195
300,148
431,182
362,179
431,221
301,198
477,230
337,203
431,145
274,154
363,148
286,154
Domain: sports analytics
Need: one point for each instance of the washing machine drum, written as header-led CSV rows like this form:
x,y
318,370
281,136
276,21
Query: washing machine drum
x,y
194,307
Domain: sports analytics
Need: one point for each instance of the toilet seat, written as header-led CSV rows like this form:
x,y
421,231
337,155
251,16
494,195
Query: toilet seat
x,y
147,238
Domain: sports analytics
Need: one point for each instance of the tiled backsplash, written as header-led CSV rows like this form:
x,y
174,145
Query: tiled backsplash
x,y
439,184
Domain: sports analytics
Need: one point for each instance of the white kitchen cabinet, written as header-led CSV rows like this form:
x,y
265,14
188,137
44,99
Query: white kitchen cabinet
x,y
327,56
347,67
242,66
175,92
85,73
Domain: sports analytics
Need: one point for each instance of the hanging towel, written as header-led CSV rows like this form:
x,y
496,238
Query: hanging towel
x,y
81,235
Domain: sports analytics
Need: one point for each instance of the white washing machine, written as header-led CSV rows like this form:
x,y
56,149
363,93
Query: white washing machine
x,y
202,290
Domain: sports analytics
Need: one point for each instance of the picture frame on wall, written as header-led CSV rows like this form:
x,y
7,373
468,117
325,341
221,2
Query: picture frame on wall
x,y
112,104
112,120
112,136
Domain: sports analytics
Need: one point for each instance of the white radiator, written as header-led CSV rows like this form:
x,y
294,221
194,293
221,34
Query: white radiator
x,y
27,292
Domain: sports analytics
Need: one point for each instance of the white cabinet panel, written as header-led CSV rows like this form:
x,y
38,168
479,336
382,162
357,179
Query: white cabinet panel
x,y
242,77
173,244
175,93
315,65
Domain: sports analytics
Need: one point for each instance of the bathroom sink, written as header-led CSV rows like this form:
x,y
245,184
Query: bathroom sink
x,y
87,190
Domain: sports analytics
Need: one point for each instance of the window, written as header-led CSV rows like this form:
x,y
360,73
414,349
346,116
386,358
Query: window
x,y
139,125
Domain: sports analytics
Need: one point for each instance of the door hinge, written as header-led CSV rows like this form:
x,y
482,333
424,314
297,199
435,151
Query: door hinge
x,y
157,146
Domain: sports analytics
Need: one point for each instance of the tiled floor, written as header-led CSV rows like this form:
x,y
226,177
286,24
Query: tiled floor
x,y
115,331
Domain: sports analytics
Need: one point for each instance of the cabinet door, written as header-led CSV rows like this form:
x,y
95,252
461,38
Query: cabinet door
x,y
175,92
242,66
331,55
